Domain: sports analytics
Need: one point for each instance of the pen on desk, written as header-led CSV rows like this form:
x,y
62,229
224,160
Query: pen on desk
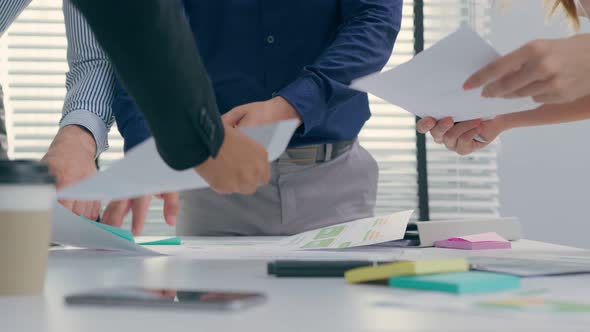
x,y
300,268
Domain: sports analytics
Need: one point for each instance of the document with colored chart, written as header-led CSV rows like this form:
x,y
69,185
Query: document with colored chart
x,y
363,232
71,230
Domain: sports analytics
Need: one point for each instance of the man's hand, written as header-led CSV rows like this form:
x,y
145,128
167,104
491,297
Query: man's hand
x,y
460,137
70,158
260,113
241,165
117,210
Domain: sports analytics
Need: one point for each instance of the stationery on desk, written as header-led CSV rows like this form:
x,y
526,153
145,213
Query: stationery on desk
x,y
384,272
458,282
475,242
430,84
301,268
70,229
528,267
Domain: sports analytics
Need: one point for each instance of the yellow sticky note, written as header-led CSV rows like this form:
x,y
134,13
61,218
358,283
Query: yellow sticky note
x,y
406,268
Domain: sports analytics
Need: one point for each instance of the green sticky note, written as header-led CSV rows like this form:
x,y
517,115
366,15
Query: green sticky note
x,y
458,282
122,233
169,241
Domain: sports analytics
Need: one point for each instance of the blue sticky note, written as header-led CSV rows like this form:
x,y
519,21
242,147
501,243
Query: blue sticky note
x,y
458,282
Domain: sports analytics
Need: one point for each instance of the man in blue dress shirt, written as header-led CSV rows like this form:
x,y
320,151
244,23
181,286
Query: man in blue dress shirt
x,y
272,60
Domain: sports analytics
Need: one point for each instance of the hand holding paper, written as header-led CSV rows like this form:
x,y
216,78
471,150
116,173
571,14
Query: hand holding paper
x,y
431,84
116,211
462,137
550,71
240,166
143,172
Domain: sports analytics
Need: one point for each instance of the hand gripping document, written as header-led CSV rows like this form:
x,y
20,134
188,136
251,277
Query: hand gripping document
x,y
431,84
143,172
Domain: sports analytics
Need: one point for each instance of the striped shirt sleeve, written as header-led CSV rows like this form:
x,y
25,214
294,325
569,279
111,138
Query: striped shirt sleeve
x,y
9,10
90,81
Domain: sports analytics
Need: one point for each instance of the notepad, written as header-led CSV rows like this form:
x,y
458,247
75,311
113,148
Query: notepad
x,y
475,242
407,268
458,282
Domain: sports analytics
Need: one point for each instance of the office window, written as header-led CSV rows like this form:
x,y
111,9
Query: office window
x,y
33,64
459,186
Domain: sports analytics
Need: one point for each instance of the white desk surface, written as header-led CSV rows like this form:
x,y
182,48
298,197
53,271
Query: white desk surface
x,y
293,304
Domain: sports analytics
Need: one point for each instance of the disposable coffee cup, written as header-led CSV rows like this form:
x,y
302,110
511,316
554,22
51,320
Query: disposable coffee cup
x,y
27,195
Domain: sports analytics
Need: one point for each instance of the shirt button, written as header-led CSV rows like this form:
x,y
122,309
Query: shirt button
x,y
270,39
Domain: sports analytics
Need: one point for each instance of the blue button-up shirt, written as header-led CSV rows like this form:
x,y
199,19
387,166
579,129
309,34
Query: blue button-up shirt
x,y
308,52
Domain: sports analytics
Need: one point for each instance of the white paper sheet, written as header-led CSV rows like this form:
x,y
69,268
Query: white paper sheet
x,y
270,252
363,232
69,229
431,83
143,172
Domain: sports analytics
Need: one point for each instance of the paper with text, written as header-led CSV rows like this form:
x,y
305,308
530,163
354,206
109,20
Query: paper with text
x,y
70,229
143,171
356,233
431,84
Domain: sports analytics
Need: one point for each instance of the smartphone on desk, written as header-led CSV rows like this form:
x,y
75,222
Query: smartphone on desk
x,y
167,298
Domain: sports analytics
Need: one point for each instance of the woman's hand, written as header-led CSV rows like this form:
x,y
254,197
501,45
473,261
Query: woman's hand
x,y
460,136
551,71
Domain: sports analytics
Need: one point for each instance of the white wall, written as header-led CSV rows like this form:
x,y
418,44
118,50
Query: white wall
x,y
544,171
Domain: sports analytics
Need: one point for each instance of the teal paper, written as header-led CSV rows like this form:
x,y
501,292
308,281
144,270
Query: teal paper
x,y
122,233
127,235
458,282
171,241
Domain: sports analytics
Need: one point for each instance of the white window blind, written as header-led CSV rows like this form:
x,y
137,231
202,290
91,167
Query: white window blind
x,y
460,186
33,64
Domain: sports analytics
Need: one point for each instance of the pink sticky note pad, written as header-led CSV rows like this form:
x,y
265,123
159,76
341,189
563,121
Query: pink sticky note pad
x,y
475,242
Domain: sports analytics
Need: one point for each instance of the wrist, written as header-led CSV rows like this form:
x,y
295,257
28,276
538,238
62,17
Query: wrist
x,y
75,135
285,109
503,123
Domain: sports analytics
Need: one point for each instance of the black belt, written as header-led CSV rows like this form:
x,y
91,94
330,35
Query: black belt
x,y
316,153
